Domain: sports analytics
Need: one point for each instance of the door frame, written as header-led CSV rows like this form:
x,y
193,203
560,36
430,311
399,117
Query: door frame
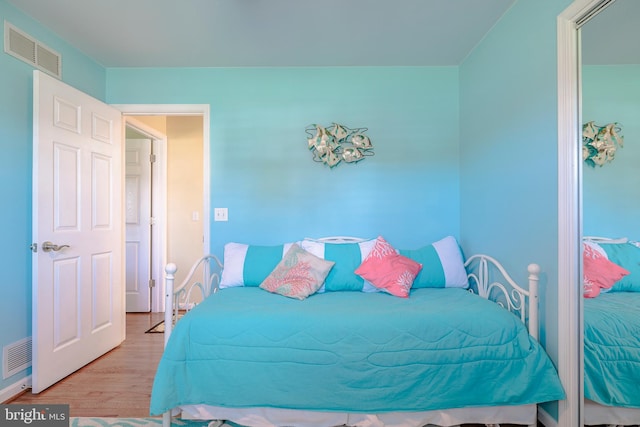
x,y
158,204
570,318
202,110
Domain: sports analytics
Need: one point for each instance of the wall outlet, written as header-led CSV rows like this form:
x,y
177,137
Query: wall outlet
x,y
220,214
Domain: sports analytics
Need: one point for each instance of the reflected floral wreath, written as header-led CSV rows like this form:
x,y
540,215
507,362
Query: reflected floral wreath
x,y
337,143
599,143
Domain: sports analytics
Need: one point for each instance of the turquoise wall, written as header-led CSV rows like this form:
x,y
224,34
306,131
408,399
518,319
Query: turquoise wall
x,y
262,170
611,193
508,150
16,94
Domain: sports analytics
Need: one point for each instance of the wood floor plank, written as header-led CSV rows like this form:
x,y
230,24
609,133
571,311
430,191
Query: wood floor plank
x,y
117,384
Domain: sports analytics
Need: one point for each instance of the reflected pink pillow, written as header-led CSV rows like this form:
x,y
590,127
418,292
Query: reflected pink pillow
x,y
389,271
599,272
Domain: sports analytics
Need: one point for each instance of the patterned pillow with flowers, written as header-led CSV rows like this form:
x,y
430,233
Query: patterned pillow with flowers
x,y
298,275
388,270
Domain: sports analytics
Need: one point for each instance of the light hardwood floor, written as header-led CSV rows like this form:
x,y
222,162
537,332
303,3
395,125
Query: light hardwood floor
x,y
117,384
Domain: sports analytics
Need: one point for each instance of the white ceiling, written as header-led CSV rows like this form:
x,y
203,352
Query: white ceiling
x,y
613,36
239,33
236,33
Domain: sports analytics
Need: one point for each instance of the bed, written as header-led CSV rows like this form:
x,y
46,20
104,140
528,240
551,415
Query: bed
x,y
352,352
612,332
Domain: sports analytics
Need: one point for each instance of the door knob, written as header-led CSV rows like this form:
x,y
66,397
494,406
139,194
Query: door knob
x,y
48,247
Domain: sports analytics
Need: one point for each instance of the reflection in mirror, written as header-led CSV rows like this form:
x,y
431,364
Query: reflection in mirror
x,y
611,208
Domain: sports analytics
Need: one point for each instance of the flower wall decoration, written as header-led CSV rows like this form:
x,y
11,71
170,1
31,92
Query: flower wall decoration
x,y
337,143
599,143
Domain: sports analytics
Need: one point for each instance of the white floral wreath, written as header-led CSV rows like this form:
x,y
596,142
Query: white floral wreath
x,y
337,143
599,143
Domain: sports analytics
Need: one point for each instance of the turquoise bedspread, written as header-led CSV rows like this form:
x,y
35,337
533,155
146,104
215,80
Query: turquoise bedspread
x,y
352,351
612,349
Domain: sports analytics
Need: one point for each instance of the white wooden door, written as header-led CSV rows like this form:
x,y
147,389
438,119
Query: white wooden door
x,y
138,223
78,282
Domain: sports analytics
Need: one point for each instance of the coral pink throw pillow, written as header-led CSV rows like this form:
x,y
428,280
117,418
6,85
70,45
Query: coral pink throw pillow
x,y
389,271
599,272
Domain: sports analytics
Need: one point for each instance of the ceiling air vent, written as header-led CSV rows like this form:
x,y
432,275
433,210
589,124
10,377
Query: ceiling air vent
x,y
24,47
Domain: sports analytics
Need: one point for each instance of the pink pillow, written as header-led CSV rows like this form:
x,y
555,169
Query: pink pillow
x,y
599,272
389,271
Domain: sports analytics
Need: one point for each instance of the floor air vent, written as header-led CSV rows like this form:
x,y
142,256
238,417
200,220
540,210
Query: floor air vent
x,y
16,357
24,47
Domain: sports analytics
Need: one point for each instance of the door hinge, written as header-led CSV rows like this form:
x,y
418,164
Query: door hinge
x,y
152,158
152,283
33,247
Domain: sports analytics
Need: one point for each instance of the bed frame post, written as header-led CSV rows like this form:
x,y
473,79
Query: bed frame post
x,y
169,280
170,269
534,277
166,419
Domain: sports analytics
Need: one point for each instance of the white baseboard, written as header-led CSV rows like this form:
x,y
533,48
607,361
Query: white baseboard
x,y
15,389
546,419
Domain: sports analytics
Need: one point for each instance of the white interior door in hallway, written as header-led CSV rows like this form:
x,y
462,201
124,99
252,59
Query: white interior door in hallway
x,y
78,260
138,223
180,188
157,222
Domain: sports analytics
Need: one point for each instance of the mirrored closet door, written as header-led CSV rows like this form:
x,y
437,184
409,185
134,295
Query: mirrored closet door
x,y
610,73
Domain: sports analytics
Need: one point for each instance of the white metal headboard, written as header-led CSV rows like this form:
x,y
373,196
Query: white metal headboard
x,y
491,281
337,239
596,239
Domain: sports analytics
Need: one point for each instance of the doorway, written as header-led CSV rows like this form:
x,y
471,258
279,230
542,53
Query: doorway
x,y
180,230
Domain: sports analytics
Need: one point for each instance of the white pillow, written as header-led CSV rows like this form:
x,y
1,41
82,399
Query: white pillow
x,y
442,265
249,265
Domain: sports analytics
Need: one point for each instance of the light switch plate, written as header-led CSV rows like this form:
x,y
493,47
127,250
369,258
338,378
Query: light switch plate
x,y
220,214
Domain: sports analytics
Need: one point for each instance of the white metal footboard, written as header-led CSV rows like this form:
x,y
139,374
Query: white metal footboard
x,y
489,279
183,295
